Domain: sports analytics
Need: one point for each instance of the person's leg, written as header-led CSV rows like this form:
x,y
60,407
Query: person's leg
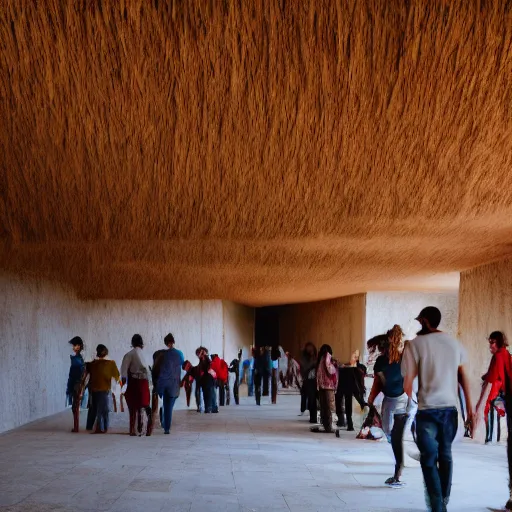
x,y
427,428
133,418
213,396
266,382
348,411
312,399
274,385
250,384
75,408
197,393
154,406
397,437
222,396
101,406
325,409
446,434
235,390
303,399
91,413
166,397
257,388
227,391
207,396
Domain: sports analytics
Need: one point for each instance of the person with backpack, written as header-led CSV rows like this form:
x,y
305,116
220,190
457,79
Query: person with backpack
x,y
498,381
168,368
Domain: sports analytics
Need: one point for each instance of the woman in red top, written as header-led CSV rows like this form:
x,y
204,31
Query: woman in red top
x,y
498,380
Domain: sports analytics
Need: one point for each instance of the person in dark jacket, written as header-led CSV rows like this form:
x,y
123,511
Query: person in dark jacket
x,y
76,372
261,371
308,394
234,367
350,385
168,368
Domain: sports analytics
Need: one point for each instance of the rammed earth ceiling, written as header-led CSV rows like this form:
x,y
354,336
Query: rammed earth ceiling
x,y
264,151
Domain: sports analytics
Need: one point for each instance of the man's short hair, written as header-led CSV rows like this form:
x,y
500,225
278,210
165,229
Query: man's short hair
x,y
432,315
169,339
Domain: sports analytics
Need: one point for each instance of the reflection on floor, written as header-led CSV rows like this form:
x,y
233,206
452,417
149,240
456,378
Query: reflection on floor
x,y
246,458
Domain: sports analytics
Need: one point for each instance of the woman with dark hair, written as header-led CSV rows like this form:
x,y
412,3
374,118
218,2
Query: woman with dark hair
x,y
308,389
388,380
327,382
497,381
135,371
101,371
76,371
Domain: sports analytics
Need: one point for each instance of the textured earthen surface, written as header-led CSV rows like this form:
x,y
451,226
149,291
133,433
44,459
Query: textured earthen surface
x,y
37,319
485,305
261,152
339,323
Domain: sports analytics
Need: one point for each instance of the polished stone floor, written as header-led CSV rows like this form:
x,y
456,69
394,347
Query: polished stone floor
x,y
246,458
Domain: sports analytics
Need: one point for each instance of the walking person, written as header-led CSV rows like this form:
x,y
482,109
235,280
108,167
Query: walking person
x,y
308,388
207,381
388,380
437,359
76,371
101,371
499,378
327,382
261,371
234,367
135,372
168,368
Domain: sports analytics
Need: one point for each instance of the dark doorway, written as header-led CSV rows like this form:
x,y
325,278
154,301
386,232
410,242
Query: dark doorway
x,y
266,327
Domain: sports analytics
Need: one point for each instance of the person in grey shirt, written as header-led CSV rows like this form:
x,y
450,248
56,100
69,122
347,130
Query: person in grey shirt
x,y
437,359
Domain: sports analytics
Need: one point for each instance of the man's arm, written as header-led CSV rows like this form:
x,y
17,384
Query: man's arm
x,y
463,381
409,369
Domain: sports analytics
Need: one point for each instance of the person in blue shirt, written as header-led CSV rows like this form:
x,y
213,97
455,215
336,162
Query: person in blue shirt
x,y
168,368
74,379
389,380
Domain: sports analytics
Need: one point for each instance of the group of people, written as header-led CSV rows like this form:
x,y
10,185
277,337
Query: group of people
x,y
422,382
142,399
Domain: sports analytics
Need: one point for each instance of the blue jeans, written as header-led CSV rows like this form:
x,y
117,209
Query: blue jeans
x,y
168,404
435,432
101,398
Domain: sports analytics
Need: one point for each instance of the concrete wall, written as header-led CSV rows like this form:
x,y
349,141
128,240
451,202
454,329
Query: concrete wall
x,y
384,309
36,321
38,318
338,322
485,299
238,329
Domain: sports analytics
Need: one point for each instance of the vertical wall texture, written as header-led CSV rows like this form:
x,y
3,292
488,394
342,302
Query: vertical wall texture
x,y
384,309
238,329
38,318
36,321
485,300
338,322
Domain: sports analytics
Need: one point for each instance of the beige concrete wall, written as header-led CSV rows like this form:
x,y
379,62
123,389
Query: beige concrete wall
x,y
384,309
36,322
485,301
38,318
238,329
338,322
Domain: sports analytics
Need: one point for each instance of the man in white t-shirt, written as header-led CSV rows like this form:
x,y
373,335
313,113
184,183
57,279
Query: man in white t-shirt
x,y
437,359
